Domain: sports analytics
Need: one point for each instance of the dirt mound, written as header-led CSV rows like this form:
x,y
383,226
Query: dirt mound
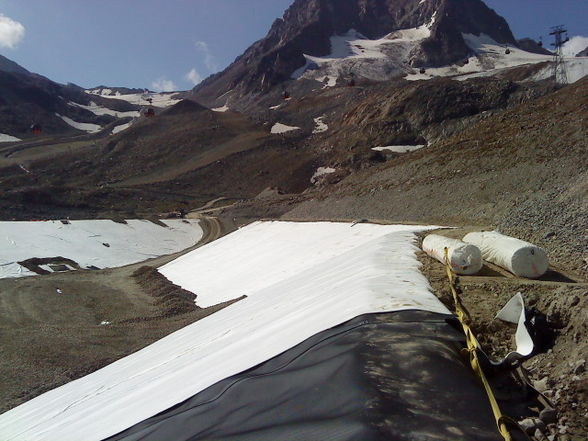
x,y
170,298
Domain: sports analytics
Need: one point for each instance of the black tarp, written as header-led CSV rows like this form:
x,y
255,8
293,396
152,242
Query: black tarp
x,y
394,376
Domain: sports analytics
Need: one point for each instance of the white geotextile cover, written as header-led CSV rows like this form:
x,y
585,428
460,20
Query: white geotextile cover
x,y
300,279
83,242
463,258
521,258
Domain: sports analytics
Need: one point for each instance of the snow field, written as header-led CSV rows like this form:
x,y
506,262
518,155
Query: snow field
x,y
8,138
121,128
319,125
398,148
159,99
221,109
99,110
85,127
278,128
321,171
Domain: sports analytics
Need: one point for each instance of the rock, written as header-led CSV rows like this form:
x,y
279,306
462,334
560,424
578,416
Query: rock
x,y
538,435
541,385
548,416
580,367
531,425
528,425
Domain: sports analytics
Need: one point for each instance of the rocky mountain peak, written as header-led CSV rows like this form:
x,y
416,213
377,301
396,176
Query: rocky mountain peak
x,y
7,65
308,25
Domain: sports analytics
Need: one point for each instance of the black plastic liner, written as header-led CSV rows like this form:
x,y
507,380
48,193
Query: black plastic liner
x,y
395,376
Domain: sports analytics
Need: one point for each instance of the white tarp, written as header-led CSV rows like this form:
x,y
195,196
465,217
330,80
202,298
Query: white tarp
x,y
514,312
98,243
463,258
521,258
300,279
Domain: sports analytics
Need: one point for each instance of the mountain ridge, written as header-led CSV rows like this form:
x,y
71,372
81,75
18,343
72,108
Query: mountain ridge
x,y
308,25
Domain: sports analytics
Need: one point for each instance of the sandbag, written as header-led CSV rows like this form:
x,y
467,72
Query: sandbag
x,y
521,258
463,258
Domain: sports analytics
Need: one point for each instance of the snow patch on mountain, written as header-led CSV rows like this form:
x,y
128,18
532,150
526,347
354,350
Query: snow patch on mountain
x,y
161,100
576,69
221,109
120,128
353,53
319,125
490,57
99,110
8,138
85,127
321,171
398,148
278,128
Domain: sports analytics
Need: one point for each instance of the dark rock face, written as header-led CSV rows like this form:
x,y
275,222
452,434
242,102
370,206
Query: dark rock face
x,y
530,45
307,26
114,90
7,65
27,99
584,53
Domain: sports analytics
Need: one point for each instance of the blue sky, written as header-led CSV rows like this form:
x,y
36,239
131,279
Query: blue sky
x,y
174,43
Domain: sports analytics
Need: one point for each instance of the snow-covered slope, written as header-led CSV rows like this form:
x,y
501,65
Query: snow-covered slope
x,y
389,57
85,127
161,100
300,279
8,138
353,53
576,69
98,243
100,110
120,128
278,128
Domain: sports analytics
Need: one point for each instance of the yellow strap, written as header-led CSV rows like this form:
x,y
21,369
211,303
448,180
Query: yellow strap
x,y
472,350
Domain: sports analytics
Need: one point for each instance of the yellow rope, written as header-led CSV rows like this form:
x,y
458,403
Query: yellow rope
x,y
472,349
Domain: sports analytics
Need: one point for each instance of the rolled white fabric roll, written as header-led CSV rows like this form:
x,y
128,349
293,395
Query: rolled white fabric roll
x,y
521,258
463,258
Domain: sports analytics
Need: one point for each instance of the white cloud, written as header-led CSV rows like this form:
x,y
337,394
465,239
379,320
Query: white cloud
x,y
11,32
164,85
209,60
575,45
194,77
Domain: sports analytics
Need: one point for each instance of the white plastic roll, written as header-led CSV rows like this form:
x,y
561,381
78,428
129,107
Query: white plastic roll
x,y
463,258
521,258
